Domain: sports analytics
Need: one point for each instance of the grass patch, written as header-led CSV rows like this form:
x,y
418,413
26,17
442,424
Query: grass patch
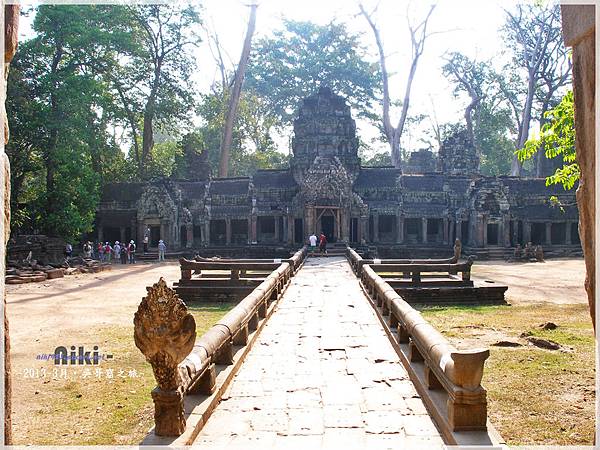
x,y
104,410
535,396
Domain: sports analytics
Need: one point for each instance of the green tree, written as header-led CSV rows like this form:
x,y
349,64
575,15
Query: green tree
x,y
557,139
487,116
152,78
60,113
297,59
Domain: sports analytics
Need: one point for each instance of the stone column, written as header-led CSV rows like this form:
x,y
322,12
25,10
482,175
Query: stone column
x,y
458,228
526,231
122,234
568,226
506,231
548,240
363,222
228,231
206,236
100,233
376,227
484,223
189,235
424,229
446,230
253,229
285,228
578,25
276,220
290,228
399,229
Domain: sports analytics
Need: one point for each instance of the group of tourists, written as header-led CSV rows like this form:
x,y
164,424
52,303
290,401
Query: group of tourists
x,y
105,252
322,240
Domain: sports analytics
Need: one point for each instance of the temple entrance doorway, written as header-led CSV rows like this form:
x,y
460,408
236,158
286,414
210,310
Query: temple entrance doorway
x,y
154,235
328,222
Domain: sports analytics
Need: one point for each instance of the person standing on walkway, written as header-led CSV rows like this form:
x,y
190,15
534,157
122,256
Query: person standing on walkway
x,y
162,248
117,251
87,250
131,252
68,250
124,254
146,239
312,240
100,252
322,244
108,252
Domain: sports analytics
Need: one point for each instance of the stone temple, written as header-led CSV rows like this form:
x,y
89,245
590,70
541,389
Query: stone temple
x,y
418,211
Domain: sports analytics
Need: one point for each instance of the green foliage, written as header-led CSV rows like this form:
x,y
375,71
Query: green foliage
x,y
252,147
298,59
557,139
377,160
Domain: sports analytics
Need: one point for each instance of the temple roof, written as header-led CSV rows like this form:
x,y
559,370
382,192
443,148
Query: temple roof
x,y
230,186
531,186
122,192
426,182
282,179
545,212
192,189
372,177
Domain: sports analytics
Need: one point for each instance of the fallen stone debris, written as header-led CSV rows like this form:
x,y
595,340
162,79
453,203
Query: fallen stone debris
x,y
32,271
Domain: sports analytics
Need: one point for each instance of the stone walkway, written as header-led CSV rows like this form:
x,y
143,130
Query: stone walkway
x,y
322,374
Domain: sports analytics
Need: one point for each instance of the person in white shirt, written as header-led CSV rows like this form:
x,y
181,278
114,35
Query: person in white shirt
x,y
313,243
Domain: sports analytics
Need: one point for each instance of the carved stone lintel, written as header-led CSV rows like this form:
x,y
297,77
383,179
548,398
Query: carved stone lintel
x,y
165,333
168,412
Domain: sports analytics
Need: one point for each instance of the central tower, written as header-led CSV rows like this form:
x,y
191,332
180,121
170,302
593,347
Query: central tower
x,y
325,163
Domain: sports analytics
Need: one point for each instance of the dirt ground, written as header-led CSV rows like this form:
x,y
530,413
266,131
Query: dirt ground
x,y
558,281
75,310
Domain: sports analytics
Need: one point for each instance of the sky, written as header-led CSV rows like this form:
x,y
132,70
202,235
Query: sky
x,y
468,26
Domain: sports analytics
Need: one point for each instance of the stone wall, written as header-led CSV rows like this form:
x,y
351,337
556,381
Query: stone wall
x,y
579,30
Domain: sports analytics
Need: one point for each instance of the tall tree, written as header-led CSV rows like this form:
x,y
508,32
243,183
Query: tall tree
x,y
418,37
487,115
234,95
301,57
153,80
534,35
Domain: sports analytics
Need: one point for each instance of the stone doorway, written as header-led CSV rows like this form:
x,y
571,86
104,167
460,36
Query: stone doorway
x,y
328,222
154,235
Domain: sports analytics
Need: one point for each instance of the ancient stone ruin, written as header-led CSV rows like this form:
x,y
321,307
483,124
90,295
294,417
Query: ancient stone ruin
x,y
418,212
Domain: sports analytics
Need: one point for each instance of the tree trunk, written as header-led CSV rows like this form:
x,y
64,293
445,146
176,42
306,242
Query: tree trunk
x,y
234,98
147,141
516,167
11,24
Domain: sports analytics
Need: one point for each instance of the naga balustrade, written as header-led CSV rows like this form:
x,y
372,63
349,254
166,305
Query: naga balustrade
x,y
166,334
357,261
457,372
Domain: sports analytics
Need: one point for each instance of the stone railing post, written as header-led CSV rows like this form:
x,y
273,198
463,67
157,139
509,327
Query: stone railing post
x,y
165,333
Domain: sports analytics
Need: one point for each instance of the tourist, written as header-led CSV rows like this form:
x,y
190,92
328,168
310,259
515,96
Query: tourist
x,y
313,243
100,251
162,248
108,252
68,250
322,244
123,254
87,250
117,251
131,252
146,239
